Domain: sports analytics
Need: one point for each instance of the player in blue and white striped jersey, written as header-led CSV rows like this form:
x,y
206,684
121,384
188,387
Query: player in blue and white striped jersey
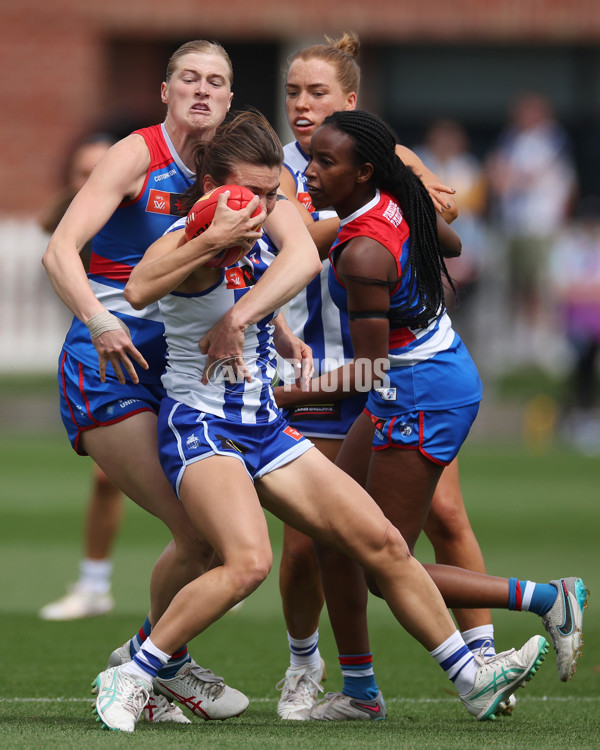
x,y
225,470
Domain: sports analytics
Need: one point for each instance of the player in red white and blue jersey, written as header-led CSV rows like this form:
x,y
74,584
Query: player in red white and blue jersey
x,y
229,455
430,369
322,79
386,273
116,250
110,400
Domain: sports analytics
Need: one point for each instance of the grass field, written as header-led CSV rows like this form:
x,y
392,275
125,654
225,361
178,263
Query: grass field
x,y
536,516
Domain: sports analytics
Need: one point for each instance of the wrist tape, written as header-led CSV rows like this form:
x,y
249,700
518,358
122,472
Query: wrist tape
x,y
103,322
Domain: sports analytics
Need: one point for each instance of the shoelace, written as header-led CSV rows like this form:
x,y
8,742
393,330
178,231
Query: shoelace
x,y
136,699
481,657
294,690
158,706
211,684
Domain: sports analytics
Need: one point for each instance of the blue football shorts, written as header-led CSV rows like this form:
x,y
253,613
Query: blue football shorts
x,y
438,435
186,435
86,402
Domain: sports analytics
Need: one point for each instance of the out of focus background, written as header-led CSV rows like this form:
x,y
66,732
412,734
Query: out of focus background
x,y
501,99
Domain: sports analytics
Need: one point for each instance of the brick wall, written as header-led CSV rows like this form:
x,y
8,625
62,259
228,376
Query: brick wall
x,y
53,57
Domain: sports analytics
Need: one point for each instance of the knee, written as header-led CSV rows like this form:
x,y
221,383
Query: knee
x,y
390,561
447,520
391,553
396,547
248,571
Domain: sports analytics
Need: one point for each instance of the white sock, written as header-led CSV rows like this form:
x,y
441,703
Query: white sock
x,y
94,575
457,661
304,652
146,662
481,636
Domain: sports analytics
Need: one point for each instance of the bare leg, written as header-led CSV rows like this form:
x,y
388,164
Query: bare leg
x,y
344,579
454,543
128,453
103,518
299,579
221,500
350,521
407,505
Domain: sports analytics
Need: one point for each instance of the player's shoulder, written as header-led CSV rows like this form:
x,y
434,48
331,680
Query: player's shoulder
x,y
131,150
293,156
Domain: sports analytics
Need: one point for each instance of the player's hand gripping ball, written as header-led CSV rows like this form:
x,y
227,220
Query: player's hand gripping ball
x,y
201,215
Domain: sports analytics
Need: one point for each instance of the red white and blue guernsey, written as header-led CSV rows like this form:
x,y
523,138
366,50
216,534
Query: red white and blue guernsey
x,y
431,370
315,319
120,245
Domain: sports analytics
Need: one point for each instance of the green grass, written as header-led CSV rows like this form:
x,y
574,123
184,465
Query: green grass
x,y
536,516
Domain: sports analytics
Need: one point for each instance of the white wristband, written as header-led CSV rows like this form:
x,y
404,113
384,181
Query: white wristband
x,y
103,322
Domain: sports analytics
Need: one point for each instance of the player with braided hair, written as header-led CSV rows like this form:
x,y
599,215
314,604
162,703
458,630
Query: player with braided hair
x,y
424,391
321,79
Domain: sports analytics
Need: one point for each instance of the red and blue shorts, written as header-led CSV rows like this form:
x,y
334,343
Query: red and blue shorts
x,y
86,402
438,435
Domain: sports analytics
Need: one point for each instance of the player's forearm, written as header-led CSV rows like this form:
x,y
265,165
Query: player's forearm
x,y
166,265
69,280
289,273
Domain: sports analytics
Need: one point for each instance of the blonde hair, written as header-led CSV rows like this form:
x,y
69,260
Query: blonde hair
x,y
341,54
202,47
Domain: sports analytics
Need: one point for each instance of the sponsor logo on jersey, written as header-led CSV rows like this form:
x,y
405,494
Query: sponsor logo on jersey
x,y
393,214
235,278
162,202
304,199
165,175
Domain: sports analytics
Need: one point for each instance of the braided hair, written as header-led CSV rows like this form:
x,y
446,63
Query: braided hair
x,y
375,143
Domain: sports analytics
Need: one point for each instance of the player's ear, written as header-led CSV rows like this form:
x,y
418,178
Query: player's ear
x,y
365,172
208,183
351,101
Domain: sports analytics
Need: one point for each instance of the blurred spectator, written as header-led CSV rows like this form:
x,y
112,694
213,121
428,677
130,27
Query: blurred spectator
x,y
575,275
79,165
90,595
446,152
533,182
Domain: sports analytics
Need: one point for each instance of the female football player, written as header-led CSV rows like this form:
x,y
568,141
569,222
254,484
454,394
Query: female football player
x,y
321,79
113,355
386,273
228,452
